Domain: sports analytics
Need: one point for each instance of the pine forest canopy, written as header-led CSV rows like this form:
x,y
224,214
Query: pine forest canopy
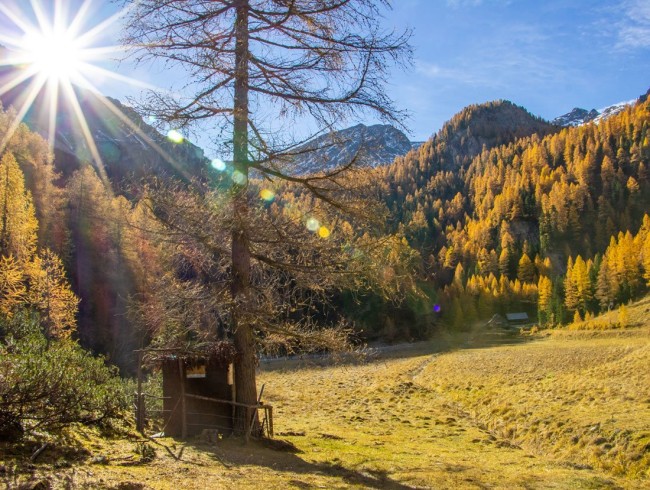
x,y
250,65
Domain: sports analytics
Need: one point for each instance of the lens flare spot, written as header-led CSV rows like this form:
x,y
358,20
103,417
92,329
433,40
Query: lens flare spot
x,y
324,232
436,308
175,137
219,164
267,195
238,177
313,224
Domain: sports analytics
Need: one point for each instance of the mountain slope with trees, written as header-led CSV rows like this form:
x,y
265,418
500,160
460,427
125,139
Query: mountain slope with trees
x,y
495,226
424,190
499,212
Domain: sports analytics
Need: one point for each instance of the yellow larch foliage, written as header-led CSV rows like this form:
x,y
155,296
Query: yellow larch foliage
x,y
545,293
18,224
50,294
12,285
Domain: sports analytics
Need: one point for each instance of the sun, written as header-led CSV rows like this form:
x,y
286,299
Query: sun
x,y
51,56
51,53
55,55
50,45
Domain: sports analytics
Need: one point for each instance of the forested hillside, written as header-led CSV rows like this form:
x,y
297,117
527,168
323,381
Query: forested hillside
x,y
498,212
151,267
68,235
495,227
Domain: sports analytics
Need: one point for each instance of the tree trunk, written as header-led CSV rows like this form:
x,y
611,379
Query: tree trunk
x,y
245,385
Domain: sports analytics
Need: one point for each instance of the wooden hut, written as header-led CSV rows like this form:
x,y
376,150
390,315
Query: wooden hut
x,y
199,391
184,382
198,387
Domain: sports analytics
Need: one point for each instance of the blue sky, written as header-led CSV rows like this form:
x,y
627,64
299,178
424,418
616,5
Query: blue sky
x,y
548,56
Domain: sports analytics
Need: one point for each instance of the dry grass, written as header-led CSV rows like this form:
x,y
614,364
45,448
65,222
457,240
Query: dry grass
x,y
567,409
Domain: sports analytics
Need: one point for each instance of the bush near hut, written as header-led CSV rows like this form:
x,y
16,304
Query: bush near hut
x,y
47,385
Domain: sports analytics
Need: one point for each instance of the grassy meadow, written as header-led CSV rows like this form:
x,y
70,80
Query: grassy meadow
x,y
563,408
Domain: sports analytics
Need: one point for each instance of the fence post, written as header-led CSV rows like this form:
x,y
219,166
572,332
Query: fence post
x,y
139,415
181,371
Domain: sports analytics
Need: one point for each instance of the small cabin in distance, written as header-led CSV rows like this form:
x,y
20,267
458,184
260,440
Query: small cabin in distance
x,y
520,318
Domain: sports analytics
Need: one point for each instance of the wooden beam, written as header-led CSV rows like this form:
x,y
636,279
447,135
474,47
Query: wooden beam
x,y
181,373
217,400
270,420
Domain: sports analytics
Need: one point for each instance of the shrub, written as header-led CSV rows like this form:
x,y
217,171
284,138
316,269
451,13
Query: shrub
x,y
152,387
47,385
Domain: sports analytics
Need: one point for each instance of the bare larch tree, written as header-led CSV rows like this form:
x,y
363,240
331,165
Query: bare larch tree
x,y
254,68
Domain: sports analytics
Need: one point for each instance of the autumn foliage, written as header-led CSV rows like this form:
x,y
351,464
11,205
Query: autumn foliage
x,y
553,220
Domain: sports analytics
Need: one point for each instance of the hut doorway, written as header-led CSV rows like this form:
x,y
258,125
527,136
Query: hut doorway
x,y
187,386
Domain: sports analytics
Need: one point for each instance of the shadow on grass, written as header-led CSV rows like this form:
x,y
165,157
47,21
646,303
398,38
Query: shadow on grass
x,y
232,453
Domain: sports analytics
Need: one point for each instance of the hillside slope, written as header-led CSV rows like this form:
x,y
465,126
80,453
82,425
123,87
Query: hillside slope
x,y
489,222
435,171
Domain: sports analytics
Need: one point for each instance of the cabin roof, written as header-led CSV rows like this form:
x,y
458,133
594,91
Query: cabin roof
x,y
517,317
220,351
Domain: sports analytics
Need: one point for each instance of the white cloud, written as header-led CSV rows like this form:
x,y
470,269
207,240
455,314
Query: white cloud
x,y
463,75
634,28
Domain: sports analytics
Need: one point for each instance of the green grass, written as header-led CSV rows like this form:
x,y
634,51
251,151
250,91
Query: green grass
x,y
564,409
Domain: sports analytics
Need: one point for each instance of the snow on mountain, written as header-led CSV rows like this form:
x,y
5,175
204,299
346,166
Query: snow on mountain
x,y
578,116
608,111
369,146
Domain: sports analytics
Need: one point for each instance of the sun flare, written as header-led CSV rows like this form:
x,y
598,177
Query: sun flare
x,y
54,55
51,52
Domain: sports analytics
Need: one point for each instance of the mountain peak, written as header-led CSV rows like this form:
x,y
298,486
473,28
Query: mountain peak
x,y
578,116
484,125
370,146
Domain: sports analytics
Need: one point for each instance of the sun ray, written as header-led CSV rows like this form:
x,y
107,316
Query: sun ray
x,y
137,130
21,23
88,137
76,24
155,146
120,78
15,81
41,18
59,16
53,94
87,36
35,87
98,53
